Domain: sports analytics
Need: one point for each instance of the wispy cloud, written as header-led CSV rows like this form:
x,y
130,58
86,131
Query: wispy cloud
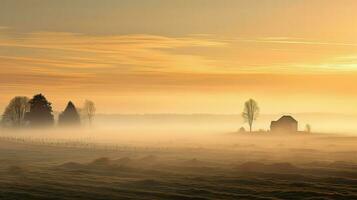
x,y
302,41
125,52
76,61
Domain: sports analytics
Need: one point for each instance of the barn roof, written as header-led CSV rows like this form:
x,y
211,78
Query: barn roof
x,y
287,118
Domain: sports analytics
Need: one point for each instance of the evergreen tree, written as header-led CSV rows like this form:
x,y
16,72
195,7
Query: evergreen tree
x,y
69,116
40,112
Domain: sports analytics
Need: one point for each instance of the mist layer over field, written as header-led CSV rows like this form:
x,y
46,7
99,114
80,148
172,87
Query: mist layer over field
x,y
175,162
321,122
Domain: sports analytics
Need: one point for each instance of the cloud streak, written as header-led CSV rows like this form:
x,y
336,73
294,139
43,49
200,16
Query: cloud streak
x,y
297,41
124,53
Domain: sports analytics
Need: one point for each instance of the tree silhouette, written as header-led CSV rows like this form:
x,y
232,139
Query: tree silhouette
x,y
14,114
40,113
251,112
89,110
308,128
69,116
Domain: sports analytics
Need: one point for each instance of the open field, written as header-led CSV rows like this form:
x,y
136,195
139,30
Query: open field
x,y
223,166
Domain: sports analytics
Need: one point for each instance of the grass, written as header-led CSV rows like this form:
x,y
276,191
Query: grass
x,y
58,169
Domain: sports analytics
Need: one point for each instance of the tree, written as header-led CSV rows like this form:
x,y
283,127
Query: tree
x,y
251,112
241,130
69,116
308,128
89,110
40,113
14,114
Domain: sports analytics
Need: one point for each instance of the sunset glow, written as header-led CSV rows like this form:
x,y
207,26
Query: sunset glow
x,y
182,56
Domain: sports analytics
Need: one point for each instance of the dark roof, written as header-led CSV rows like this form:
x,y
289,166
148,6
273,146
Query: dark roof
x,y
287,118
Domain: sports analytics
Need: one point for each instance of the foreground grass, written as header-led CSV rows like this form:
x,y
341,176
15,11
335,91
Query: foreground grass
x,y
54,170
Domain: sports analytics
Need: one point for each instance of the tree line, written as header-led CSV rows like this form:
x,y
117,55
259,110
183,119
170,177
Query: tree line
x,y
38,112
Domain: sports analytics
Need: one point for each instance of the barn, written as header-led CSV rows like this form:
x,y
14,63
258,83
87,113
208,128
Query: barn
x,y
286,124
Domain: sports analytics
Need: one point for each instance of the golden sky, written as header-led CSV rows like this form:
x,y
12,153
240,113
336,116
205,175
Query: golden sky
x,y
182,56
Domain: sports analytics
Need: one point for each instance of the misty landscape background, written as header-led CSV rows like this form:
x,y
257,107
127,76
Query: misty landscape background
x,y
178,100
174,161
179,156
320,122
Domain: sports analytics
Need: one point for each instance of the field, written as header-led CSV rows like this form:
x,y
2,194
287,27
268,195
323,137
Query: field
x,y
222,166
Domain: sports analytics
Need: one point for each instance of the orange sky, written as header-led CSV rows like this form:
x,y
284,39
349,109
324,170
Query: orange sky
x,y
180,56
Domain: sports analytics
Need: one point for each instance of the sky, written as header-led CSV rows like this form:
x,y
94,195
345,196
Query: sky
x,y
182,56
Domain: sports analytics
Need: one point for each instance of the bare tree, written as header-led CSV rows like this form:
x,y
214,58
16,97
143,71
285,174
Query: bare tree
x,y
89,110
14,114
251,112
